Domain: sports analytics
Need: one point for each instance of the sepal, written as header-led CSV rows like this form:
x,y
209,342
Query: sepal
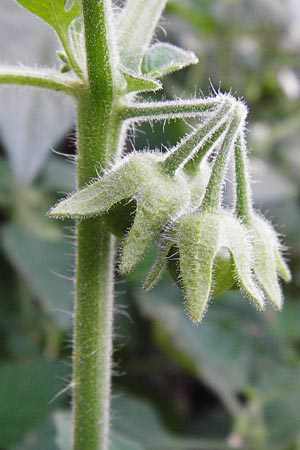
x,y
122,182
139,83
199,238
159,198
269,262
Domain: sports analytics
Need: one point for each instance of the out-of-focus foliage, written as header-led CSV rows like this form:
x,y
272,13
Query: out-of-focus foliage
x,y
232,382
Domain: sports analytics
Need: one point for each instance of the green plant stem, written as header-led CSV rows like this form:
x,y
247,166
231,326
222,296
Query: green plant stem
x,y
195,143
145,111
213,194
96,132
94,295
40,78
243,201
75,66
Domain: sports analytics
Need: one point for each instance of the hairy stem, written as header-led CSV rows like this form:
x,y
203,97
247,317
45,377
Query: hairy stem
x,y
173,109
243,191
213,194
94,268
195,143
40,78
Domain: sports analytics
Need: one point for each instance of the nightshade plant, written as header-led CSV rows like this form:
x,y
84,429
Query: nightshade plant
x,y
173,198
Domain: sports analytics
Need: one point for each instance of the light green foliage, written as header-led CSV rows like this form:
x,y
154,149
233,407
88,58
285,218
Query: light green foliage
x,y
162,59
136,25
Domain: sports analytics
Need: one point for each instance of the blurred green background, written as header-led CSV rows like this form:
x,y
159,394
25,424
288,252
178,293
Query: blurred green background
x,y
234,381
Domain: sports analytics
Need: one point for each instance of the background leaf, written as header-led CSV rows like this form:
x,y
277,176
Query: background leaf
x,y
162,59
45,265
26,391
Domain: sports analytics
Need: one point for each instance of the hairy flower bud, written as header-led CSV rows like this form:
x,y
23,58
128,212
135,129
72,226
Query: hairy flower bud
x,y
215,252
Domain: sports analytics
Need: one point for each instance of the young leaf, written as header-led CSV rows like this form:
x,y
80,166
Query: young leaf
x,y
137,23
162,59
55,13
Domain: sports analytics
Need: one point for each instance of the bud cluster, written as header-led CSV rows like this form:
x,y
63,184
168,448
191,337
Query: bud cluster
x,y
178,198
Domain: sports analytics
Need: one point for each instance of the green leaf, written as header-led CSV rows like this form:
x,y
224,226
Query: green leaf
x,y
133,424
44,266
121,442
26,391
162,59
58,176
279,387
136,83
54,434
137,420
55,13
218,352
136,25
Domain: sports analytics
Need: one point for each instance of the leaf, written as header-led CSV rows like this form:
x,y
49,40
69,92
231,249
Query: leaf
x,y
121,442
44,265
136,25
162,59
55,13
54,434
62,421
26,391
279,387
218,352
31,121
136,83
137,420
133,424
58,176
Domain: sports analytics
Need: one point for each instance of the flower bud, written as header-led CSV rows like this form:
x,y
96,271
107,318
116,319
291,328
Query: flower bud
x,y
200,237
223,276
